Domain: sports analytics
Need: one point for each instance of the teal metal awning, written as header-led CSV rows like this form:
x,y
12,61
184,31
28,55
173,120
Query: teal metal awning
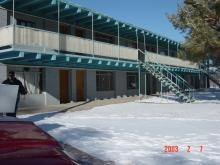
x,y
13,57
18,57
76,15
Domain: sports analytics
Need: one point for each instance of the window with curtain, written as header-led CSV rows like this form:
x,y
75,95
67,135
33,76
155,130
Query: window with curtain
x,y
104,81
32,80
132,80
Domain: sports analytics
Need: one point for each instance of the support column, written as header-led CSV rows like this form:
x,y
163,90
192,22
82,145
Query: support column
x,y
145,83
157,45
161,86
177,47
137,38
58,18
93,50
168,49
13,22
3,72
144,43
139,80
118,41
145,78
139,70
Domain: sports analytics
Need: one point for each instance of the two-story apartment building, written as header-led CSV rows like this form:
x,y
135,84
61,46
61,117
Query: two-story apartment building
x,y
63,52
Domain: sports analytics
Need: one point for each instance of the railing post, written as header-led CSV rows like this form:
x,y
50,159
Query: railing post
x,y
93,50
168,49
118,41
144,43
161,86
176,80
157,45
13,22
139,80
58,15
177,47
145,80
137,38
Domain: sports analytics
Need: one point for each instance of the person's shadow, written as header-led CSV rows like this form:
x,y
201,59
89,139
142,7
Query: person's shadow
x,y
41,116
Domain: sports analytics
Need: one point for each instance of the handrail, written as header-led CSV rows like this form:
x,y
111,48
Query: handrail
x,y
170,76
180,82
70,43
211,77
69,35
166,68
179,77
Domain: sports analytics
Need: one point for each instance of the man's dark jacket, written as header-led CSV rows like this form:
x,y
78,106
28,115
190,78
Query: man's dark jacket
x,y
21,88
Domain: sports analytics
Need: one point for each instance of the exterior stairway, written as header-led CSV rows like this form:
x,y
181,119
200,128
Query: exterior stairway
x,y
172,81
211,77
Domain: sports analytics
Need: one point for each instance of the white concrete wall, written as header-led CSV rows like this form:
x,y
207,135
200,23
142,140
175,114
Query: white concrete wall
x,y
105,94
3,72
167,60
142,82
120,86
3,16
37,100
91,84
52,83
73,85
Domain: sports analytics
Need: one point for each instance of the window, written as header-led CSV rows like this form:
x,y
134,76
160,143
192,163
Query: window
x,y
173,54
65,29
31,79
26,23
104,81
132,80
80,32
104,38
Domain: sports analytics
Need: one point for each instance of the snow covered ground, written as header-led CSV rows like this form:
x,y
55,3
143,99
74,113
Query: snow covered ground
x,y
136,133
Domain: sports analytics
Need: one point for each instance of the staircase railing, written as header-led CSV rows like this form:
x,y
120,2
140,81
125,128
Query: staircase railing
x,y
206,71
176,80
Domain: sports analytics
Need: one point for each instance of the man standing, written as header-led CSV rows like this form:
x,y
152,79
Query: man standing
x,y
12,80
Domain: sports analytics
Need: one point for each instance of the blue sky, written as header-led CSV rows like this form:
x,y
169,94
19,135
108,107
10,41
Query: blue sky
x,y
148,14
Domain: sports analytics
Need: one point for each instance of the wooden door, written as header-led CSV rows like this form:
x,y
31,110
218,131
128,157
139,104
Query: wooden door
x,y
65,29
80,85
80,32
64,86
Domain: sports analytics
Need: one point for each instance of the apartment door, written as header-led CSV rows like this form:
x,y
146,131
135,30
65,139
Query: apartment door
x,y
65,29
64,86
80,74
80,32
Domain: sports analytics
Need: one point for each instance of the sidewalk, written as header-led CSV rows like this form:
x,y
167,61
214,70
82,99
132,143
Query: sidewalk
x,y
77,106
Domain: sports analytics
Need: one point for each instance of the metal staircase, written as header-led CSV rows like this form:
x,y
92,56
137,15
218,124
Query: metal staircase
x,y
205,71
171,80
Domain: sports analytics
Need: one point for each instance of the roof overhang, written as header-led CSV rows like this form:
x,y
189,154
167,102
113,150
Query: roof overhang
x,y
73,14
38,59
23,57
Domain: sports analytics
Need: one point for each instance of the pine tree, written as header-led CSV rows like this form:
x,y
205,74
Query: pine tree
x,y
200,21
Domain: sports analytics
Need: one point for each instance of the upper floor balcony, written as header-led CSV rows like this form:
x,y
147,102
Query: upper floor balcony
x,y
42,41
33,39
62,27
